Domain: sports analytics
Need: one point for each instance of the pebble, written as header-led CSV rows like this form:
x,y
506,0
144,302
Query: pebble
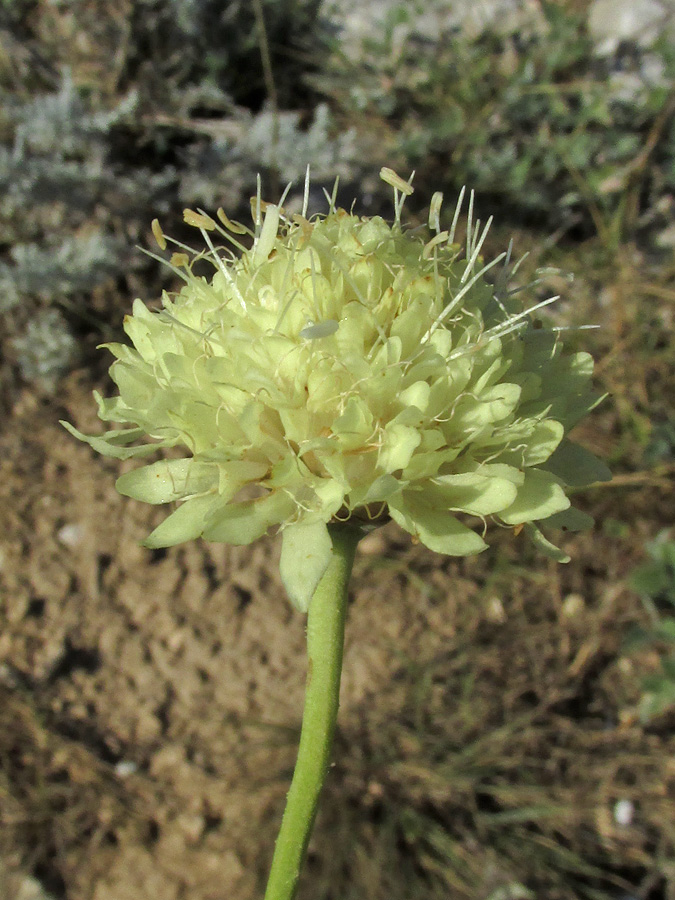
x,y
624,810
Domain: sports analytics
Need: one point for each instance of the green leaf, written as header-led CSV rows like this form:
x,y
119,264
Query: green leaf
x,y
665,631
650,579
305,554
576,466
570,520
544,545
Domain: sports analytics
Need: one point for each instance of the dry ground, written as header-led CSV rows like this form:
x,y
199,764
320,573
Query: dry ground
x,y
151,700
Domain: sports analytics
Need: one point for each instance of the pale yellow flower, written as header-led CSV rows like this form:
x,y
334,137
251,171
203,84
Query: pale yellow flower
x,y
347,368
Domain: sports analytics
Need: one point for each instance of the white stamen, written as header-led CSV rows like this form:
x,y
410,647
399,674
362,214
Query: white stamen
x,y
305,196
469,225
332,198
477,249
268,234
222,268
435,212
512,323
455,300
280,204
258,204
455,218
165,262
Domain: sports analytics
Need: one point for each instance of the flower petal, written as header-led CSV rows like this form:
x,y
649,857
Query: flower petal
x,y
475,493
113,443
437,529
245,522
185,524
539,497
169,479
399,444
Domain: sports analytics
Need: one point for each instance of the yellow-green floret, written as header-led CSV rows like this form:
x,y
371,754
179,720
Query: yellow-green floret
x,y
346,367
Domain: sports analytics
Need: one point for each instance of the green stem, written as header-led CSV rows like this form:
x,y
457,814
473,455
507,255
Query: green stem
x,y
325,640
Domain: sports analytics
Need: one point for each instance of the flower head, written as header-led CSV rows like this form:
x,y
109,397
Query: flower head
x,y
345,368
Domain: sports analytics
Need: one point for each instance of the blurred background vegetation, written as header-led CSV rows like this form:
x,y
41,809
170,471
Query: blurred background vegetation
x,y
561,115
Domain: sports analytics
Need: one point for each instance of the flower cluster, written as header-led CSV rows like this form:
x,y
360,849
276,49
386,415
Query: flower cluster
x,y
342,367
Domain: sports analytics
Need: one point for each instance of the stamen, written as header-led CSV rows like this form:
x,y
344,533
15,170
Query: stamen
x,y
435,212
333,196
225,272
512,323
268,234
391,178
170,263
256,203
455,218
159,234
455,301
433,243
469,226
198,220
477,249
305,195
229,224
280,204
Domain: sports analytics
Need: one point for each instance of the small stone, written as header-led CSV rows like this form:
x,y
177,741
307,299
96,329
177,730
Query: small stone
x,y
70,535
573,605
624,811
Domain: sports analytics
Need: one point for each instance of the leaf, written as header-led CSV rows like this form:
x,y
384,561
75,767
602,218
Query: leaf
x,y
576,465
665,631
570,520
545,546
305,553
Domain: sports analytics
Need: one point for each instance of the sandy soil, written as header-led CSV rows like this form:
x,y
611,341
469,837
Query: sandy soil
x,y
152,699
